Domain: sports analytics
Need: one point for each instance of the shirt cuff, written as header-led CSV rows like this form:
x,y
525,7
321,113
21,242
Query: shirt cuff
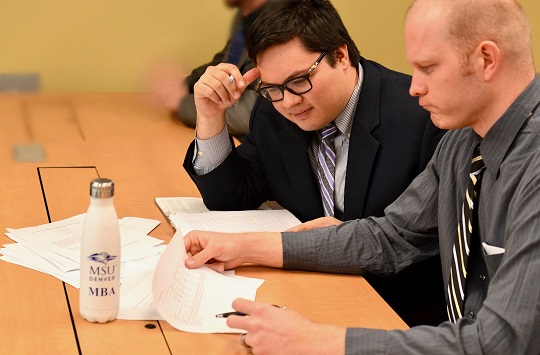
x,y
210,153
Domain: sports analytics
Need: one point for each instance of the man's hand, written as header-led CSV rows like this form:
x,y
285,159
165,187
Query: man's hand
x,y
272,330
316,223
219,88
224,251
217,250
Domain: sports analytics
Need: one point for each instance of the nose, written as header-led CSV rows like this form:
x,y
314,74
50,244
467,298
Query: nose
x,y
418,86
290,99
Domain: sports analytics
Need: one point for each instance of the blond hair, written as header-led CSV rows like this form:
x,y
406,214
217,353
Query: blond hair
x,y
503,22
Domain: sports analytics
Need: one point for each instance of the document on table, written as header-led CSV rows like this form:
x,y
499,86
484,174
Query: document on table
x,y
235,221
54,248
189,299
60,241
136,300
172,205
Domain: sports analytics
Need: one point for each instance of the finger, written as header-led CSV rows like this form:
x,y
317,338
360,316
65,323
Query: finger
x,y
235,79
238,322
203,91
246,306
243,81
200,258
229,84
191,245
251,75
244,342
252,309
217,266
231,78
214,88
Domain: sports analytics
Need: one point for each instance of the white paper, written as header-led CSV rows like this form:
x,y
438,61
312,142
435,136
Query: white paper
x,y
64,237
61,262
137,224
189,299
61,237
169,205
53,249
172,205
235,222
20,255
136,299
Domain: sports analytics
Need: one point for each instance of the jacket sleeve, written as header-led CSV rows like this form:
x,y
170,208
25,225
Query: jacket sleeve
x,y
236,184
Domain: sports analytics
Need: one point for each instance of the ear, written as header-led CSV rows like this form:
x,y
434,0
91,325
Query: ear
x,y
341,54
489,59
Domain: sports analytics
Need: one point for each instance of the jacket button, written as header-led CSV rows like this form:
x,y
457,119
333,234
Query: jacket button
x,y
482,277
471,314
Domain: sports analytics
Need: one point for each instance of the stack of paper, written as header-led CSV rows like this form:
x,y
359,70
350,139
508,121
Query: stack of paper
x,y
187,299
54,249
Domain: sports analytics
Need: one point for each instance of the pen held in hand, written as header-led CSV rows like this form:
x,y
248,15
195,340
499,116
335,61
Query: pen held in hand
x,y
226,314
242,314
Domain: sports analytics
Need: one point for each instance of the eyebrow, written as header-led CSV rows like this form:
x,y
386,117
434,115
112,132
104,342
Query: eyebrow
x,y
291,76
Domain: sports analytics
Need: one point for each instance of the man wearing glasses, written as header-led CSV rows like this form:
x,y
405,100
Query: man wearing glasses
x,y
333,137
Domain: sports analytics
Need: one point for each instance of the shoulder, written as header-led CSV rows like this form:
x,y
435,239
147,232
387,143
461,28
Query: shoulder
x,y
386,75
455,146
390,88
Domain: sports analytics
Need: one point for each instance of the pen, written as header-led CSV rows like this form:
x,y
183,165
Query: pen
x,y
226,314
236,313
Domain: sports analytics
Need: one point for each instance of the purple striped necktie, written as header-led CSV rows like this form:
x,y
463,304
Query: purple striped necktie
x,y
326,158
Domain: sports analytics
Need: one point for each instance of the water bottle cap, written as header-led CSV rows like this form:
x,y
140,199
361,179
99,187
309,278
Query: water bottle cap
x,y
102,188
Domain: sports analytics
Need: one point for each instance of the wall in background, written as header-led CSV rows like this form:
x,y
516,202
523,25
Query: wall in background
x,y
104,45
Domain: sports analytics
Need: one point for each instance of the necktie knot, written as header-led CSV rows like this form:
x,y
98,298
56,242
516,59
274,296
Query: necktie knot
x,y
477,163
328,132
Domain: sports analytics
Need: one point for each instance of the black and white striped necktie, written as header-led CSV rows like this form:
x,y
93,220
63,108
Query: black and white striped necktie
x,y
460,253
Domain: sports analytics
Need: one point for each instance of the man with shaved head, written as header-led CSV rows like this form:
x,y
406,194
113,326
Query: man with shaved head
x,y
473,71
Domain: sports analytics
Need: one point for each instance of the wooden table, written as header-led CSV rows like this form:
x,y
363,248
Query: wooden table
x,y
141,147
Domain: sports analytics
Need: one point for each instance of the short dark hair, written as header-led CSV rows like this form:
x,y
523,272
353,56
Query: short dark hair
x,y
316,23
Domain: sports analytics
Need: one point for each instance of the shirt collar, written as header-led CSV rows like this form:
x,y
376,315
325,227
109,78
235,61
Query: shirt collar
x,y
500,137
344,119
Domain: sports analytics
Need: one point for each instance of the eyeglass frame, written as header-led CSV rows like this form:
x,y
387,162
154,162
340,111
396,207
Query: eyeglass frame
x,y
284,87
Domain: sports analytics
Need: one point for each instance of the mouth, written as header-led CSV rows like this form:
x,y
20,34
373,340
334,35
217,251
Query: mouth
x,y
301,114
425,106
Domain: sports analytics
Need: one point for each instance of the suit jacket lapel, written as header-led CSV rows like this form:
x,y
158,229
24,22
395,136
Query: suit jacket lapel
x,y
304,187
362,146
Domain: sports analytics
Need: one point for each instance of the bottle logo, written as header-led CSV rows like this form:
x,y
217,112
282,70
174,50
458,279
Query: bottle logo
x,y
102,257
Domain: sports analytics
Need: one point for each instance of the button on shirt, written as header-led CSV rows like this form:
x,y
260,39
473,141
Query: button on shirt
x,y
210,153
422,222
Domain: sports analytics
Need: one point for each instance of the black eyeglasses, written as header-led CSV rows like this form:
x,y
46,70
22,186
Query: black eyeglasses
x,y
298,85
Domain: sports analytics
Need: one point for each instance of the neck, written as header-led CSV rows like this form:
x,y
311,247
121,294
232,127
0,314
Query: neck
x,y
505,94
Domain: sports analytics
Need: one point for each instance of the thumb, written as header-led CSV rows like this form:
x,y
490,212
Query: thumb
x,y
199,259
251,75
